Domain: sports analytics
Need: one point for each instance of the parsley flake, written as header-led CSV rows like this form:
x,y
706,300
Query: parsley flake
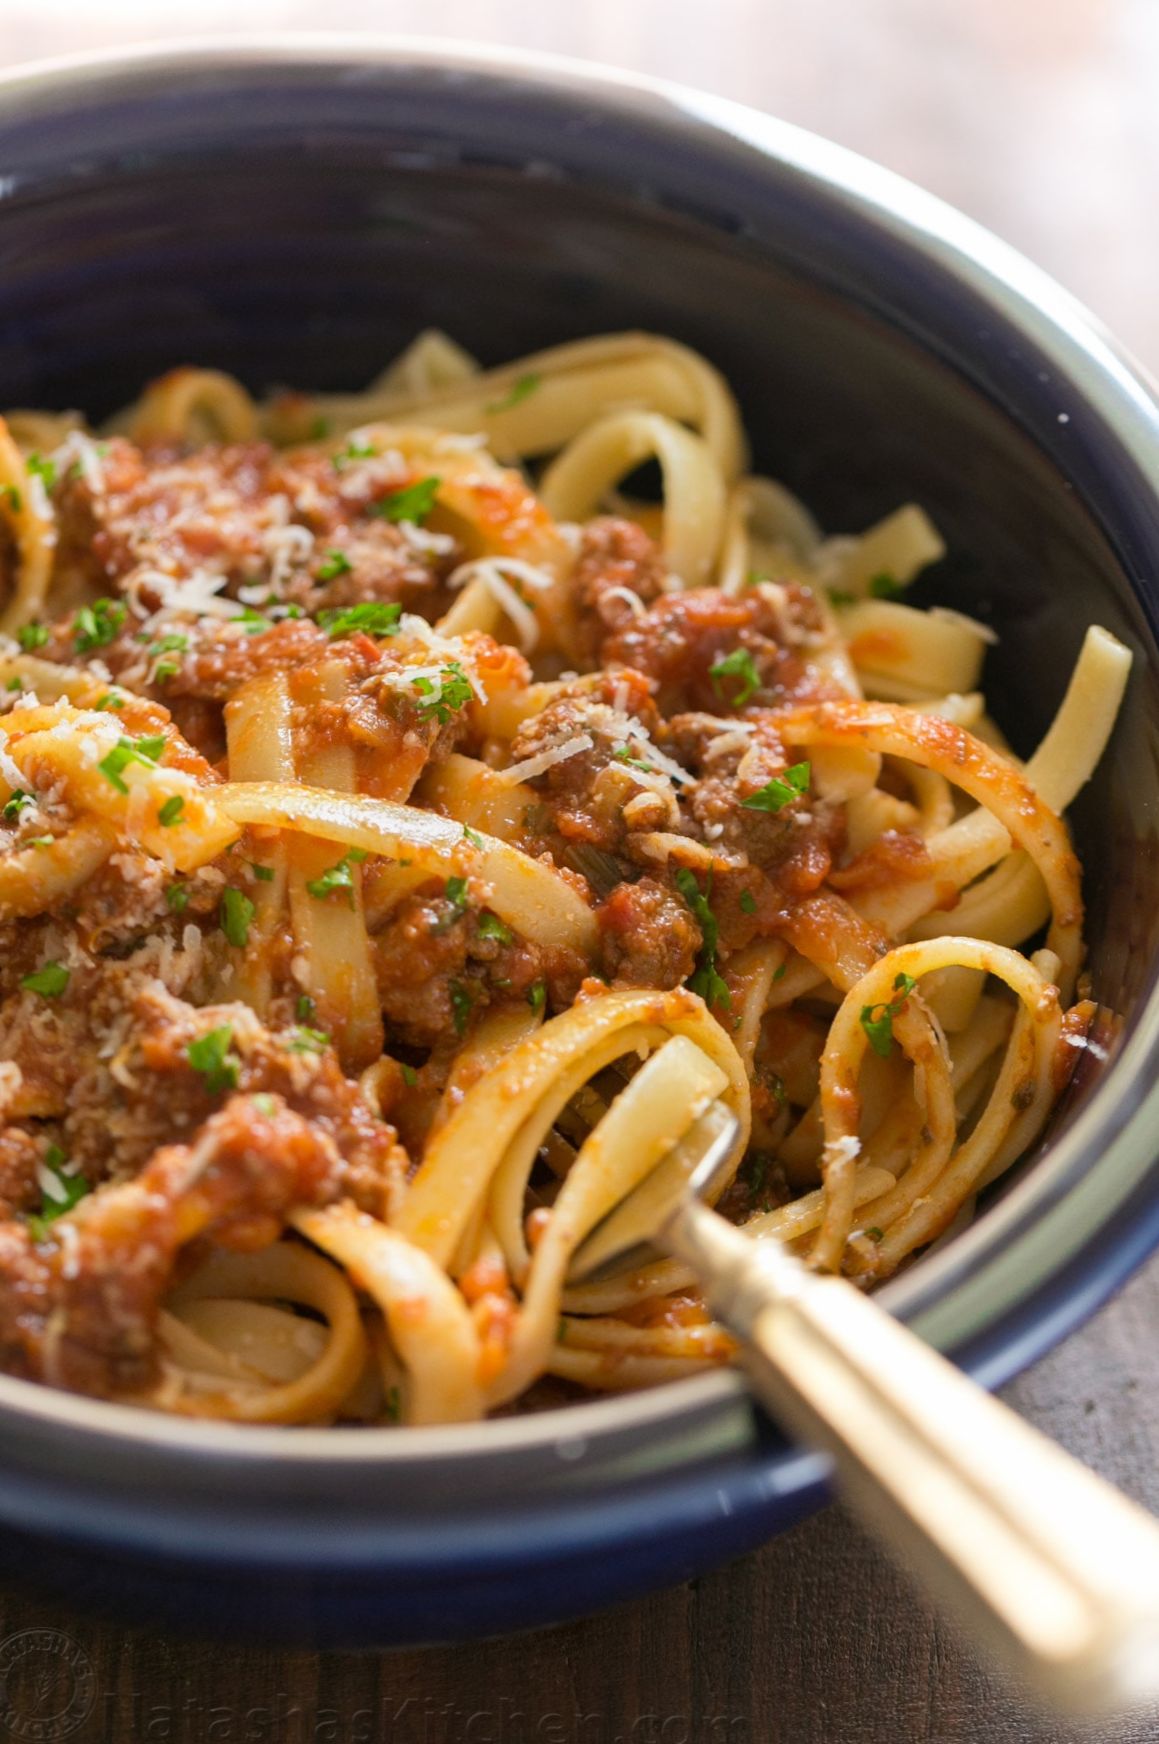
x,y
264,874
706,980
37,466
146,751
409,1076
537,995
177,898
372,618
469,835
10,494
169,813
739,664
50,981
337,877
335,563
358,448
877,1020
885,586
20,801
32,636
491,927
445,695
97,625
516,394
308,1041
211,1055
236,913
61,1190
748,902
413,503
461,1003
781,791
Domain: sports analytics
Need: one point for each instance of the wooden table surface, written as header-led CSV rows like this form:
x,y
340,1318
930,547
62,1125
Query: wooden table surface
x,y
1040,118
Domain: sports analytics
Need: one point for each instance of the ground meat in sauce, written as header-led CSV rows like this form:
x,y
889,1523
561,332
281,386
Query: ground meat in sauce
x,y
682,636
648,938
616,560
253,515
440,964
585,793
79,1310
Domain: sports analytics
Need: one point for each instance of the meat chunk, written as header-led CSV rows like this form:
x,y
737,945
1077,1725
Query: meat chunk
x,y
618,570
297,523
439,963
79,1309
794,844
587,791
648,938
762,632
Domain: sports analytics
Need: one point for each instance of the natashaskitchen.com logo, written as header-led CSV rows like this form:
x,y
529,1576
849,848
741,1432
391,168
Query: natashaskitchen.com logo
x,y
47,1686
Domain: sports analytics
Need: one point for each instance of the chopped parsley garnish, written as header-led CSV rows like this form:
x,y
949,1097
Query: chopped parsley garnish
x,y
110,700
337,877
781,972
97,625
334,563
874,1233
236,913
32,636
304,1008
20,801
254,622
38,467
393,1405
60,1191
877,1020
177,898
516,394
358,448
748,902
461,1003
211,1056
51,981
707,981
491,927
264,874
308,1041
169,813
372,618
445,695
39,842
469,835
146,751
409,1076
781,791
623,755
11,495
15,684
166,669
537,995
838,596
739,664
413,503
455,891
319,428
265,1105
884,586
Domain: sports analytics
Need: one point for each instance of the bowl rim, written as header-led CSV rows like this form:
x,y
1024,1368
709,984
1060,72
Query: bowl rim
x,y
946,1298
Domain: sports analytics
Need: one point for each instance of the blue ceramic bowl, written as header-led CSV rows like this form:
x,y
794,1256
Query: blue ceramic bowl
x,y
295,212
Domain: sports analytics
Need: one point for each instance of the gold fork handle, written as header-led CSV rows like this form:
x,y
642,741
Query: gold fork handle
x,y
1041,1559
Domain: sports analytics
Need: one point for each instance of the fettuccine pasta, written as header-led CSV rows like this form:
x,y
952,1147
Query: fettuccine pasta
x,y
419,807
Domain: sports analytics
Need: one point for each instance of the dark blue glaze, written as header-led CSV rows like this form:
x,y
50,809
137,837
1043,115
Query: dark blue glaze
x,y
296,218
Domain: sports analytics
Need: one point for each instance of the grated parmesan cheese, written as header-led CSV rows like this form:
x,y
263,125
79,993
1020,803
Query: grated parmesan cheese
x,y
543,760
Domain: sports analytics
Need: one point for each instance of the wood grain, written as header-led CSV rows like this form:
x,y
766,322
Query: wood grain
x,y
1039,118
